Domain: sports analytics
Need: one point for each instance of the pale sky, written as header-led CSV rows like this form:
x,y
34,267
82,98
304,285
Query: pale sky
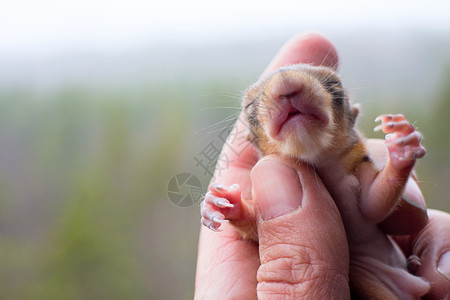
x,y
27,26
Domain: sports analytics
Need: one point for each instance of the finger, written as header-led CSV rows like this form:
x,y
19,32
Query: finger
x,y
214,226
402,127
432,247
217,201
412,139
302,242
232,192
223,203
414,152
390,118
211,218
226,265
308,48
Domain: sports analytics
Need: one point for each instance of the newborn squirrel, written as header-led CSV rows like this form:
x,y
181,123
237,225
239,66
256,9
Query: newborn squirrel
x,y
302,113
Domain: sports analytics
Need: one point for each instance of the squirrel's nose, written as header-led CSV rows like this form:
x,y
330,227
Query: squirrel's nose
x,y
286,87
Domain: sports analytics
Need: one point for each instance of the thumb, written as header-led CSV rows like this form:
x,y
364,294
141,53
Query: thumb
x,y
302,243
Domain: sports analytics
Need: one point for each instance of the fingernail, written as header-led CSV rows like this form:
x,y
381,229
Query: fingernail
x,y
443,266
276,188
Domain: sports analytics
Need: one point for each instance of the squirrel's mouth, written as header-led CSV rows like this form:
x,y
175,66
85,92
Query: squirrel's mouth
x,y
294,116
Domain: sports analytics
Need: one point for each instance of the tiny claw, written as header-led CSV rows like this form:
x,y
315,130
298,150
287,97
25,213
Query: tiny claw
x,y
380,118
378,128
213,228
224,203
233,187
217,220
389,136
220,187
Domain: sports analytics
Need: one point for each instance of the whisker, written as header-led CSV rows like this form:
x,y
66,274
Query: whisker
x,y
222,94
227,119
358,88
325,57
220,107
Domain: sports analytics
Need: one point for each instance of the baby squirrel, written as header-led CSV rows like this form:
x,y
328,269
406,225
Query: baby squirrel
x,y
302,113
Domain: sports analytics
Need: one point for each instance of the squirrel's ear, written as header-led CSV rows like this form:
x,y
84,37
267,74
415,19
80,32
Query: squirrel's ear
x,y
355,112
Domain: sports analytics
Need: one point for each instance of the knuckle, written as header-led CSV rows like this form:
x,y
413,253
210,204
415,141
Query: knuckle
x,y
285,269
294,269
299,275
279,289
290,264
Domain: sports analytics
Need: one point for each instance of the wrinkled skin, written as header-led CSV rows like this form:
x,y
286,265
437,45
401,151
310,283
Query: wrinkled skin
x,y
290,262
301,113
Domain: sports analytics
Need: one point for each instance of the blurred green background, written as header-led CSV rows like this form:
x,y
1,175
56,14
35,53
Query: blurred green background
x,y
89,142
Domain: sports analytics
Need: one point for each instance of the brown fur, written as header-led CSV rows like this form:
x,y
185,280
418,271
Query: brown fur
x,y
338,143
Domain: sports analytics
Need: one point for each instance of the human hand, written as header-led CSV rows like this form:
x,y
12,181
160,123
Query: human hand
x,y
302,252
302,248
431,246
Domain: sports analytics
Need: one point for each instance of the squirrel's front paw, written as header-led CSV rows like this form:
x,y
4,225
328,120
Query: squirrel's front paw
x,y
221,204
402,140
